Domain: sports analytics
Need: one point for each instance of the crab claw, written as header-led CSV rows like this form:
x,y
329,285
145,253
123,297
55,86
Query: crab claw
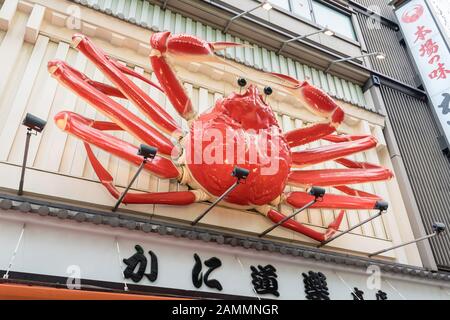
x,y
186,45
286,81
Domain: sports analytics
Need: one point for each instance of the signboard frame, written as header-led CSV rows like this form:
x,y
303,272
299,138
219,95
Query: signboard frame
x,y
444,139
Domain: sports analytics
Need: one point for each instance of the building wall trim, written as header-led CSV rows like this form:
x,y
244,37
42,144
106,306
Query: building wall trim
x,y
32,279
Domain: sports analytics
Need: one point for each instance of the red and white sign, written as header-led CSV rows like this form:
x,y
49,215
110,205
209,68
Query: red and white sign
x,y
431,54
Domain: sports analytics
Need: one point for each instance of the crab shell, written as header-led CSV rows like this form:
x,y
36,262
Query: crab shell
x,y
240,131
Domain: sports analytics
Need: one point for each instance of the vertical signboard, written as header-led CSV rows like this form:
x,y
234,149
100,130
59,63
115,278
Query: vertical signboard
x,y
431,55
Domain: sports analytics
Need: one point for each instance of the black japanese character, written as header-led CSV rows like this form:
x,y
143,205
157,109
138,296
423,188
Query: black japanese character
x,y
197,275
445,104
357,294
381,295
316,287
139,260
265,280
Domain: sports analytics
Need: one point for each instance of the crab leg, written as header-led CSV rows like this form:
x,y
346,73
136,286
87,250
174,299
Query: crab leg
x,y
166,76
129,89
356,193
332,201
296,226
319,103
181,46
88,131
357,165
302,136
102,87
325,153
337,177
170,198
75,81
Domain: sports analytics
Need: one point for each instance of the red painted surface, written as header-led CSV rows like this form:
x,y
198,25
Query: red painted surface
x,y
247,117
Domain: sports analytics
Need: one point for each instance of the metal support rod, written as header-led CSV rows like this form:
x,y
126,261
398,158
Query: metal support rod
x,y
200,217
11,262
350,58
288,218
24,163
404,244
299,38
240,15
129,185
350,230
125,287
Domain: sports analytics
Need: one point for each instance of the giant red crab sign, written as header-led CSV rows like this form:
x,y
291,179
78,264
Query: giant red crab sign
x,y
240,130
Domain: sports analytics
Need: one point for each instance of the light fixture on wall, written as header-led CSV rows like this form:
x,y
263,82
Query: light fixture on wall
x,y
325,31
148,154
36,125
264,4
240,174
378,55
318,194
382,206
438,228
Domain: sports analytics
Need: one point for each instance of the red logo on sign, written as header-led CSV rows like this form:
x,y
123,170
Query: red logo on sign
x,y
413,15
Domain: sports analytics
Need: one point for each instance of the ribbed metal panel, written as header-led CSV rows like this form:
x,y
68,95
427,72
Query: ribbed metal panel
x,y
397,63
378,6
151,16
429,171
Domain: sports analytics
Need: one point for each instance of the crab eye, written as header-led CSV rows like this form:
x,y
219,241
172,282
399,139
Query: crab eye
x,y
268,91
242,82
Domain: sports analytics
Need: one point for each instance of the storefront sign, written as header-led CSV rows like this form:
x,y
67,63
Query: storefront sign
x,y
431,54
81,252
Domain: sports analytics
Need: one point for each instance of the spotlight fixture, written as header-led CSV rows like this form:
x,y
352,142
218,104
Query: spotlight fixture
x,y
325,31
329,32
378,55
37,125
239,174
267,6
317,192
438,228
382,206
34,123
264,4
148,153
